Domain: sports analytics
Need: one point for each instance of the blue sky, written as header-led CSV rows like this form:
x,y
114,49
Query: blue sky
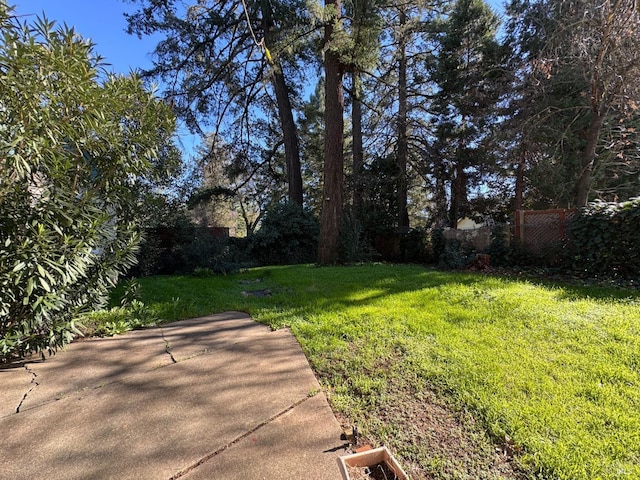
x,y
104,23
100,20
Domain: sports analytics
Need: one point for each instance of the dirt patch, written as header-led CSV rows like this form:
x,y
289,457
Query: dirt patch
x,y
256,293
379,471
431,441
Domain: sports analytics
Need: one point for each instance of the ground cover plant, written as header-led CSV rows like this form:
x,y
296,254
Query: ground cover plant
x,y
446,368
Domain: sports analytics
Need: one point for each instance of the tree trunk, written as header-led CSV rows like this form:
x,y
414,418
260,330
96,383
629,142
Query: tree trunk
x,y
588,160
358,154
290,137
333,186
402,148
285,115
458,194
519,187
440,194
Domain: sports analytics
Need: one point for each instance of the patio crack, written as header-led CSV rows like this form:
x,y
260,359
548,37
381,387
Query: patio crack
x,y
167,347
34,384
208,457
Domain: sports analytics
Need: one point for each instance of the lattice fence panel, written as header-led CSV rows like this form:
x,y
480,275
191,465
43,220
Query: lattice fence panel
x,y
537,230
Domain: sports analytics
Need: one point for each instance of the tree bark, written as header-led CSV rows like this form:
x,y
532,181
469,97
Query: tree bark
x,y
402,147
285,116
290,136
440,193
458,194
333,186
358,154
519,187
588,160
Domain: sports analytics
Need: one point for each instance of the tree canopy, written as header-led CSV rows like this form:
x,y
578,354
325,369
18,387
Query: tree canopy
x,y
477,115
391,116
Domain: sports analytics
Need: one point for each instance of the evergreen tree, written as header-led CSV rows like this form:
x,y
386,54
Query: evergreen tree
x,y
214,61
347,47
333,171
468,72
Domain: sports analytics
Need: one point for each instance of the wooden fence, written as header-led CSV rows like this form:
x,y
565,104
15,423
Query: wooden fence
x,y
538,230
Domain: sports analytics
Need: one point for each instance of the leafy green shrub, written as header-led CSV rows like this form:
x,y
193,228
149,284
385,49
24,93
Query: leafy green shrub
x,y
132,313
203,272
179,246
522,256
116,320
437,242
604,239
151,256
456,255
515,253
195,247
450,254
131,292
353,243
288,235
415,246
499,247
79,153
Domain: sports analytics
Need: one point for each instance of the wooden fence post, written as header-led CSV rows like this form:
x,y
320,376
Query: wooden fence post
x,y
519,225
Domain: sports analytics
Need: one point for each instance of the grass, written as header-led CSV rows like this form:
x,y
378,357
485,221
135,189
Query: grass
x,y
549,373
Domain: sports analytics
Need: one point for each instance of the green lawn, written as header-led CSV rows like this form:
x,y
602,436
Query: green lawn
x,y
551,373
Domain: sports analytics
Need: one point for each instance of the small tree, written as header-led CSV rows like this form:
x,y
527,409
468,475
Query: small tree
x,y
78,154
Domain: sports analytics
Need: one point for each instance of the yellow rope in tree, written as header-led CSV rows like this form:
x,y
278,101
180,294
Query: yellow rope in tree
x,y
260,43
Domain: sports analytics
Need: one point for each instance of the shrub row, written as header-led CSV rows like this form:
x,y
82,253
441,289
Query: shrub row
x,y
604,239
288,235
601,240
